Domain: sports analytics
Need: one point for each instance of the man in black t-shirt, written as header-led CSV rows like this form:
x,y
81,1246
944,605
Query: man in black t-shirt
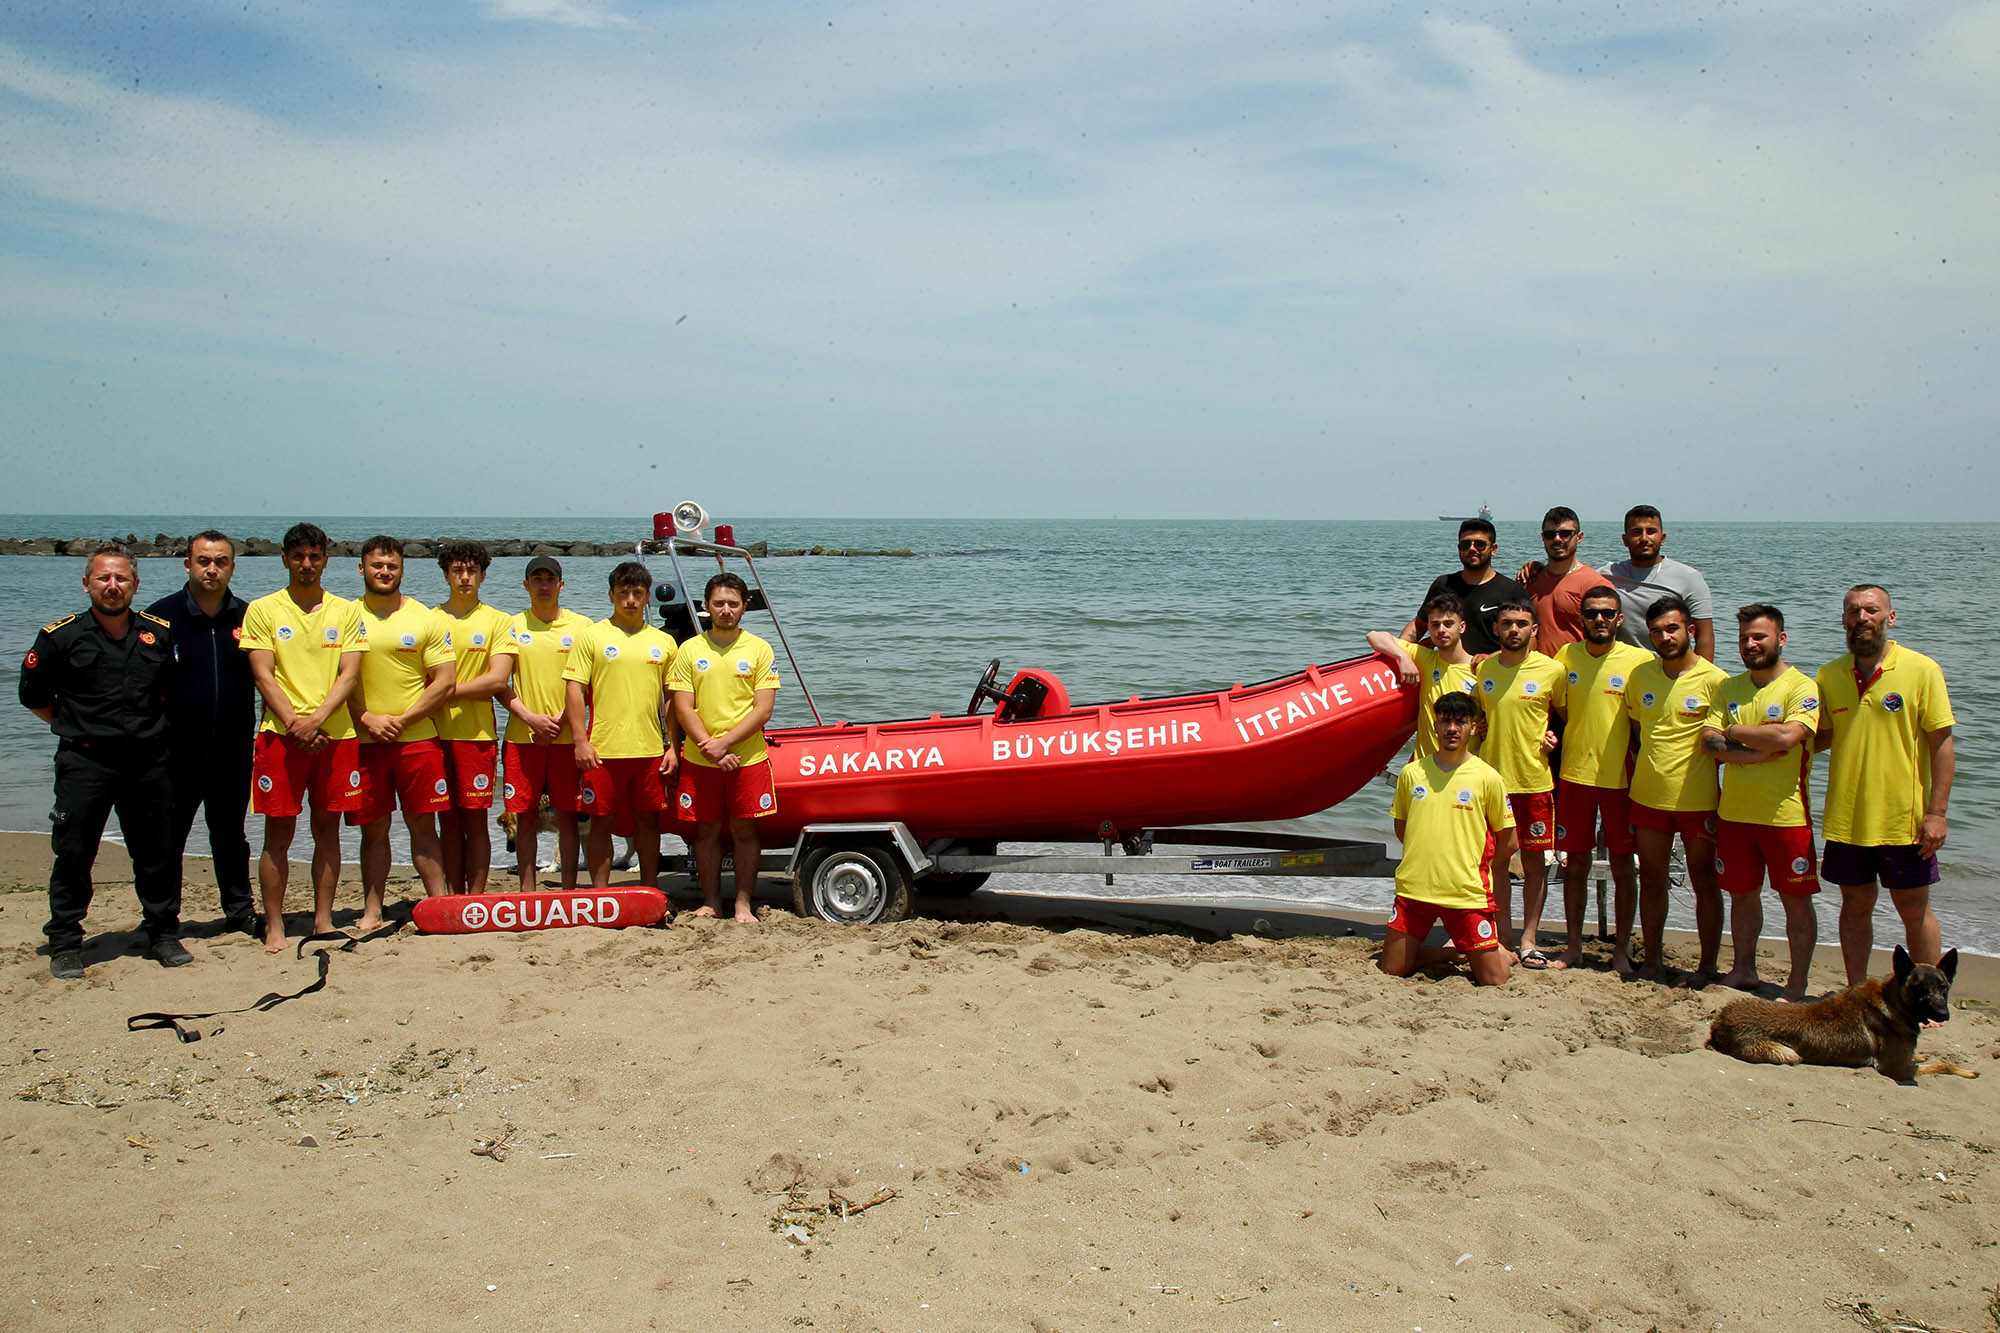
x,y
1479,590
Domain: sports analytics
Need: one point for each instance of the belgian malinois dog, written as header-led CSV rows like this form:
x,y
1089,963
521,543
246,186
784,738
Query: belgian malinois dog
x,y
1875,1021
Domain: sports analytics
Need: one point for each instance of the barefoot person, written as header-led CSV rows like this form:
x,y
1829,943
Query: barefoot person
x,y
725,684
101,680
305,655
540,757
1761,729
407,674
1885,714
1453,819
213,718
1673,780
481,638
1515,688
1591,688
1439,667
616,680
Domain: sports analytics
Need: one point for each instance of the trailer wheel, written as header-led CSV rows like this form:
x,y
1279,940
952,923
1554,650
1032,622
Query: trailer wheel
x,y
963,884
852,886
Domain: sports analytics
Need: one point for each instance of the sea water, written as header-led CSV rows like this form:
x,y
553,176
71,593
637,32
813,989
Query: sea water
x,y
1121,608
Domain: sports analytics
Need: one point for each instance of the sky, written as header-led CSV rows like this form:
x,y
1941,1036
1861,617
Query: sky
x,y
1271,259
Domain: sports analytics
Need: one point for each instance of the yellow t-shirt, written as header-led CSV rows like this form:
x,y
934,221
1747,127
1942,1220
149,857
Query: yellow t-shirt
x,y
1879,780
1673,772
1448,814
1437,677
626,676
724,683
1597,735
1766,793
476,636
1516,700
306,650
403,647
541,650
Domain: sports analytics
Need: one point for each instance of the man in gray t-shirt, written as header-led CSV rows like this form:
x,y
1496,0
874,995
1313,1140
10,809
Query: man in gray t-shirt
x,y
1648,576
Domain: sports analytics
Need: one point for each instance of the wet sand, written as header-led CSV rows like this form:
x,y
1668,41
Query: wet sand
x,y
1037,1114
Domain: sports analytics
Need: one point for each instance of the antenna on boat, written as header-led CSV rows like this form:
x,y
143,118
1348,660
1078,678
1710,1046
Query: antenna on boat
x,y
688,519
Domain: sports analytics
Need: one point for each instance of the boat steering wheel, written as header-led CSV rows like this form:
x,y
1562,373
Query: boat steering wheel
x,y
986,689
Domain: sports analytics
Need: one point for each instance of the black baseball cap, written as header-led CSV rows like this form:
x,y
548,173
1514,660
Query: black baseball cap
x,y
544,564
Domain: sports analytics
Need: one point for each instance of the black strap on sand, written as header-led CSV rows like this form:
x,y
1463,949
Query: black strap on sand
x,y
341,941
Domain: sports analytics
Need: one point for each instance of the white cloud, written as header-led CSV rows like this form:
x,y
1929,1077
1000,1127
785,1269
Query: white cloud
x,y
569,13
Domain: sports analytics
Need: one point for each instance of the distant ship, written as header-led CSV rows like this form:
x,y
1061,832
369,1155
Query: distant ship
x,y
1485,512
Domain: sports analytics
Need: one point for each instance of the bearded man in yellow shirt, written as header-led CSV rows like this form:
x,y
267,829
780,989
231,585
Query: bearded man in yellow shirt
x,y
1885,714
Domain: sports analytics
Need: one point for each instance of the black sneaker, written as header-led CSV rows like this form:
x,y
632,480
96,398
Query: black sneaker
x,y
66,964
169,952
243,925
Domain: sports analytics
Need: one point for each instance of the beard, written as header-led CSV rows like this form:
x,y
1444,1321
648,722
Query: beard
x,y
1863,642
1763,660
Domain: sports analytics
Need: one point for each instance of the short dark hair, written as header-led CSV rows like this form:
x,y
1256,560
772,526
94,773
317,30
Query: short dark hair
x,y
1760,611
305,534
1867,587
728,580
213,535
1641,511
1600,592
630,574
1666,606
381,543
1455,704
463,553
1515,604
1444,603
1560,512
1484,525
112,549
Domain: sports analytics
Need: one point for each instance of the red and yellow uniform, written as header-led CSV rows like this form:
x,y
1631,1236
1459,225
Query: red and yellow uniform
x,y
306,648
625,675
1880,772
1597,738
466,727
1437,677
1449,818
1761,814
1516,702
537,768
1673,779
725,683
404,647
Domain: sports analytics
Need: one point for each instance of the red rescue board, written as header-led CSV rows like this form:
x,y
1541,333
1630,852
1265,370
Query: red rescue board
x,y
469,913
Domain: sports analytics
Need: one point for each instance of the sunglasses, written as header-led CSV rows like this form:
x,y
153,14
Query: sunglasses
x,y
1560,534
1600,613
1470,544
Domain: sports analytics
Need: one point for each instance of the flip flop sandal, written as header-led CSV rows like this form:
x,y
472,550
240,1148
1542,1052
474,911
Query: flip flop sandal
x,y
1534,960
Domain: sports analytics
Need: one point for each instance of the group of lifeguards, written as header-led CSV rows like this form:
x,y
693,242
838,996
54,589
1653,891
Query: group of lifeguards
x,y
385,701
1548,752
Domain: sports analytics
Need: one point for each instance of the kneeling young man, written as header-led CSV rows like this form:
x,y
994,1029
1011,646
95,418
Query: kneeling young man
x,y
1455,824
724,685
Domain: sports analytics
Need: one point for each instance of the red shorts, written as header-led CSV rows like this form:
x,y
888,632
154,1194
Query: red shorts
x,y
707,794
284,774
535,771
1578,810
1471,929
1690,824
622,787
411,772
1534,820
468,768
1743,852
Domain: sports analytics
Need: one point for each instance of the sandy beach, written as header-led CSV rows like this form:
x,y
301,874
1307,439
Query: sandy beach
x,y
1036,1114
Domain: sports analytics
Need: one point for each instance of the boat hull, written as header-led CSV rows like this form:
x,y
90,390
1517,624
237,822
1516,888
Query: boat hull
x,y
1275,750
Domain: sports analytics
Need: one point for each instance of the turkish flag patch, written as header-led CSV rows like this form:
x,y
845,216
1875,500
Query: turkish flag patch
x,y
30,660
236,633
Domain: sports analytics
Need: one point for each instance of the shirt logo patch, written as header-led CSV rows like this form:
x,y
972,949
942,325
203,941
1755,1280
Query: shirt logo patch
x,y
333,635
439,787
1691,704
284,633
30,660
1893,702
742,666
1799,865
1437,675
1618,682
1418,792
1647,699
508,790
1809,704
236,633
1486,685
567,641
481,781
1774,711
1733,707
1531,688
1485,930
589,796
1537,829
1465,796
478,639
764,801
611,652
687,800
354,777
1573,678
146,637
701,664
408,640
264,784
654,653
524,637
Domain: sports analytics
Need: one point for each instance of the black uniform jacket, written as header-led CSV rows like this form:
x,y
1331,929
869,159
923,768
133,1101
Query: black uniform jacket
x,y
105,691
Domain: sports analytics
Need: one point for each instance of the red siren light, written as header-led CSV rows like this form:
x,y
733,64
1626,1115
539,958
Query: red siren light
x,y
663,526
725,534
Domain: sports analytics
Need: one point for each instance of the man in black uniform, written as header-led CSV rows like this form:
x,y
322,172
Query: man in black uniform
x,y
101,680
212,717
1480,589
